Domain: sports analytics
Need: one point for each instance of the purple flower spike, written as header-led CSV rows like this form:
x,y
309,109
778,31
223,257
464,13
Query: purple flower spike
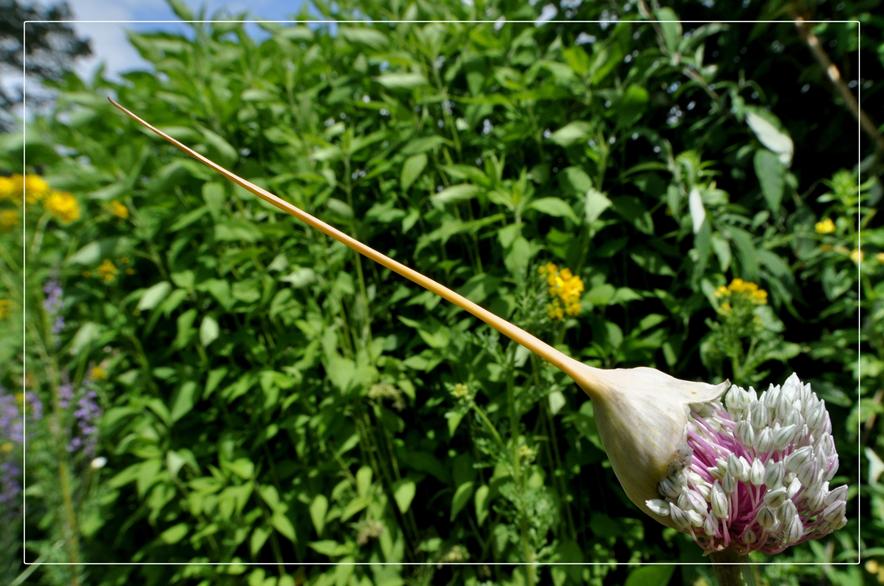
x,y
754,472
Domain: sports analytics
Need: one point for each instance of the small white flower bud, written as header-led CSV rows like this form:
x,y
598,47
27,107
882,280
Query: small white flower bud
x,y
758,416
767,519
710,525
679,517
773,474
695,518
98,462
756,472
797,458
745,433
794,529
720,503
658,507
794,487
764,440
839,494
775,498
748,537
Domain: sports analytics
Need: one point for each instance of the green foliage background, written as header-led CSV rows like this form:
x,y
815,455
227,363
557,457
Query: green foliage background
x,y
273,398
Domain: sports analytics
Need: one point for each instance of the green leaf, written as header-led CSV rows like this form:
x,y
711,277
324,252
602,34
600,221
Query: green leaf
x,y
184,399
153,295
671,30
88,333
595,202
223,152
404,494
571,133
632,105
259,537
461,497
455,193
769,131
772,176
282,524
401,80
553,206
208,331
94,252
363,480
370,37
650,576
318,510
412,169
481,503
242,467
174,534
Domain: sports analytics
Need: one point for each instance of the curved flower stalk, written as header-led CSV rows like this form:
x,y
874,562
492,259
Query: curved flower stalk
x,y
649,422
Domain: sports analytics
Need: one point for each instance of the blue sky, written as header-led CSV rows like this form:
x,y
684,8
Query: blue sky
x,y
109,44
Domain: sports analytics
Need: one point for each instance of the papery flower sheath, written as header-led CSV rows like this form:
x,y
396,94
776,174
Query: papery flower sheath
x,y
754,473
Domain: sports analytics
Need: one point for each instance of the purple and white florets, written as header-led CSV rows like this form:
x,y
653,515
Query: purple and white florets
x,y
754,472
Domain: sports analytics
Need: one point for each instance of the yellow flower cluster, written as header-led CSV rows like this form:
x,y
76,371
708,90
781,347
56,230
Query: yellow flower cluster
x,y
748,289
118,209
98,372
565,289
63,206
826,226
8,219
5,307
107,271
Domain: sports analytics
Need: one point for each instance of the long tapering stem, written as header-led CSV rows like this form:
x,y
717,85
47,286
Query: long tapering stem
x,y
555,357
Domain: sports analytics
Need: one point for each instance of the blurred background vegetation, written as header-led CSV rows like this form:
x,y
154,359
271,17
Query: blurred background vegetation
x,y
206,380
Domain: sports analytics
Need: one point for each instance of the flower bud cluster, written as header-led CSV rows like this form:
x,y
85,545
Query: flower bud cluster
x,y
754,472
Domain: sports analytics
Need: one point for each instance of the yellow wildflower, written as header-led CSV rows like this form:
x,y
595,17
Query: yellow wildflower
x,y
565,288
6,448
7,189
107,271
856,255
63,206
5,306
872,566
118,209
8,220
826,226
97,372
748,289
880,257
35,188
461,391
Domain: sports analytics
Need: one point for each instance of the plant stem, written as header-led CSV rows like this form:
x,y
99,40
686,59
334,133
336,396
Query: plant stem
x,y
729,570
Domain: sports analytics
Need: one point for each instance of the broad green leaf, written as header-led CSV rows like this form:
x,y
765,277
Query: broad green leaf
x,y
671,28
553,206
282,524
259,537
769,131
404,493
369,36
225,154
698,211
412,169
208,331
242,467
401,80
153,295
481,503
595,202
632,105
363,480
318,510
461,498
772,177
184,399
174,534
571,133
455,193
650,576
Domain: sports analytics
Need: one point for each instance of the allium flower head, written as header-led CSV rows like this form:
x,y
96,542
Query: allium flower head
x,y
753,472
